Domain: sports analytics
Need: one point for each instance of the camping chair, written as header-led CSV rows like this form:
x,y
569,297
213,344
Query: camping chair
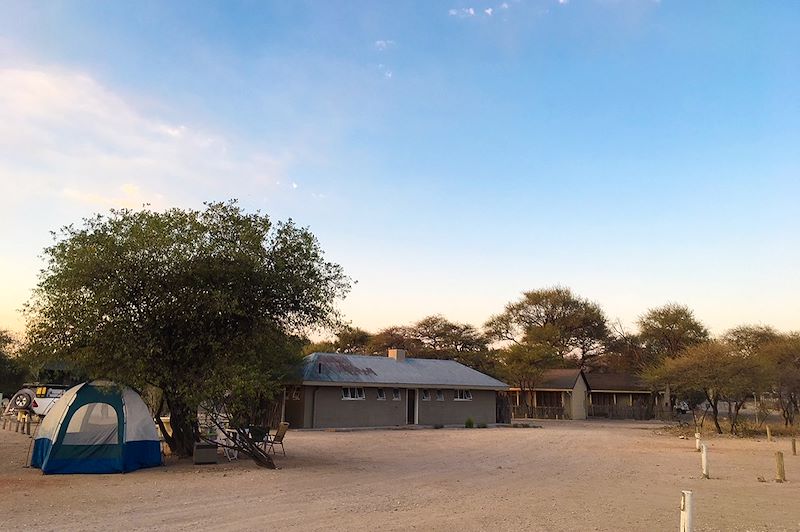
x,y
277,439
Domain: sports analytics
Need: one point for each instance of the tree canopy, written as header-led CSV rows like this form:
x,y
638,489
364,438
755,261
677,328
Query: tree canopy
x,y
556,318
12,372
196,303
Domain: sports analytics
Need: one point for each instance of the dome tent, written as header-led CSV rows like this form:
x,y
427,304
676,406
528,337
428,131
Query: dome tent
x,y
97,427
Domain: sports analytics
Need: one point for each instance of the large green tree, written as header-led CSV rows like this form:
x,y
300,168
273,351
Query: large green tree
x,y
666,331
553,318
196,303
12,372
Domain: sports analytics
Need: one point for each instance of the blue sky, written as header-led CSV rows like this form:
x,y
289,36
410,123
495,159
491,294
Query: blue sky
x,y
448,154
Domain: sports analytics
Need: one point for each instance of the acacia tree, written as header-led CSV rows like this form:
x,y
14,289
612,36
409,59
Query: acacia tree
x,y
719,371
668,330
523,367
553,318
782,357
195,303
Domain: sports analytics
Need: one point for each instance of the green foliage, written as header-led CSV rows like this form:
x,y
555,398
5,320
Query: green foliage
x,y
718,370
469,423
667,331
781,357
12,371
195,303
553,318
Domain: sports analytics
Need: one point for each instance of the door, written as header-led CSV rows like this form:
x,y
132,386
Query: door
x,y
411,407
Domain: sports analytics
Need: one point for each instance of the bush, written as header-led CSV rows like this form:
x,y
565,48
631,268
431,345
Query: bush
x,y
469,423
481,425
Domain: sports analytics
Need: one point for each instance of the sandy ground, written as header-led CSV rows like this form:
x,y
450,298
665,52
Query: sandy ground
x,y
565,476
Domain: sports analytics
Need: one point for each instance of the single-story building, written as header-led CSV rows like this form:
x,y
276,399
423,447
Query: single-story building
x,y
620,395
575,394
558,394
343,390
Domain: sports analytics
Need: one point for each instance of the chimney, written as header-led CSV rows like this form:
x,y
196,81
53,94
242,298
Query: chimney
x,y
398,354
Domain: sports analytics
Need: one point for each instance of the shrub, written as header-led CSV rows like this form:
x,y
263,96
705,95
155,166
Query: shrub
x,y
469,423
481,425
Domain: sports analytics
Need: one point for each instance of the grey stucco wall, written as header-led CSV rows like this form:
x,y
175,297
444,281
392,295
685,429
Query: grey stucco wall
x,y
450,412
328,410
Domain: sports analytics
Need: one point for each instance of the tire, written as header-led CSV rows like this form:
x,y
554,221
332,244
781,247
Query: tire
x,y
22,401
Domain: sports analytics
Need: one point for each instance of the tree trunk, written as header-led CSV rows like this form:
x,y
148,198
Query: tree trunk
x,y
714,413
183,420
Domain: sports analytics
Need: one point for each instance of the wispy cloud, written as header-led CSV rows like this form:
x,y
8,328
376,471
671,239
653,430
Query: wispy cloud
x,y
488,11
382,45
65,136
463,12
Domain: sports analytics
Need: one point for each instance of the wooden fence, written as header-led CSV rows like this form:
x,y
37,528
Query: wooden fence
x,y
539,412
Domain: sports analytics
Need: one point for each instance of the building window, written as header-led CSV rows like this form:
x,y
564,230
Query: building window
x,y
426,395
462,395
439,395
395,394
353,394
381,394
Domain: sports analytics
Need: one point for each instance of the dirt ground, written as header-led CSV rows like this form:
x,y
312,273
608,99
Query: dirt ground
x,y
568,475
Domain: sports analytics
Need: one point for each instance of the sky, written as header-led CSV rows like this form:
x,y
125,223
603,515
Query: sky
x,y
449,155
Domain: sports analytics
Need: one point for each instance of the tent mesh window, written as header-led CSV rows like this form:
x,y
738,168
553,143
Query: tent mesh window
x,y
92,424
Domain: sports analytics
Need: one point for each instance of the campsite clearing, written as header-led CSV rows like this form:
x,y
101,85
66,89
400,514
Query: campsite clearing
x,y
568,475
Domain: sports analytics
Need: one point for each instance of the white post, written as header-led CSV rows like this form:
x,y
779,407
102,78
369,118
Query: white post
x,y
704,460
697,441
687,511
769,434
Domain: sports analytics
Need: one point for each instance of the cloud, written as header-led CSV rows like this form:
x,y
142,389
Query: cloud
x,y
65,136
563,2
388,74
488,11
383,45
504,5
463,12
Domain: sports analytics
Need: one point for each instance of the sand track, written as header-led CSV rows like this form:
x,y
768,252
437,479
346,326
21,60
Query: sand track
x,y
565,476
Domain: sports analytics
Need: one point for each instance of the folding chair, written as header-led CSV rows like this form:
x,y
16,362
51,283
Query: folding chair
x,y
277,439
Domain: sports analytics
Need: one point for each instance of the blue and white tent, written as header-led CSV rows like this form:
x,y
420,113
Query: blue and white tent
x,y
97,427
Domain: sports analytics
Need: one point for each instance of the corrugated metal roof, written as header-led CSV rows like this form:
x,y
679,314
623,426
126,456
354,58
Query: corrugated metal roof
x,y
616,382
376,370
559,379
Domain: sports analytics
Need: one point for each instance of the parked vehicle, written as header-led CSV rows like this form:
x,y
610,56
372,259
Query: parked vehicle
x,y
37,398
682,407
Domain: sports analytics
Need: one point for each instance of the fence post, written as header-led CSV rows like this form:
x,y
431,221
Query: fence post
x,y
687,511
697,441
780,472
794,446
769,434
704,460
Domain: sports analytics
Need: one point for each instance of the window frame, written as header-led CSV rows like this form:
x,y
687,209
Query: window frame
x,y
396,394
349,391
425,394
462,395
381,394
440,395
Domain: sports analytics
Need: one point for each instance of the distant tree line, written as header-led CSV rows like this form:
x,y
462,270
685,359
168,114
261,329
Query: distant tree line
x,y
216,305
555,328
